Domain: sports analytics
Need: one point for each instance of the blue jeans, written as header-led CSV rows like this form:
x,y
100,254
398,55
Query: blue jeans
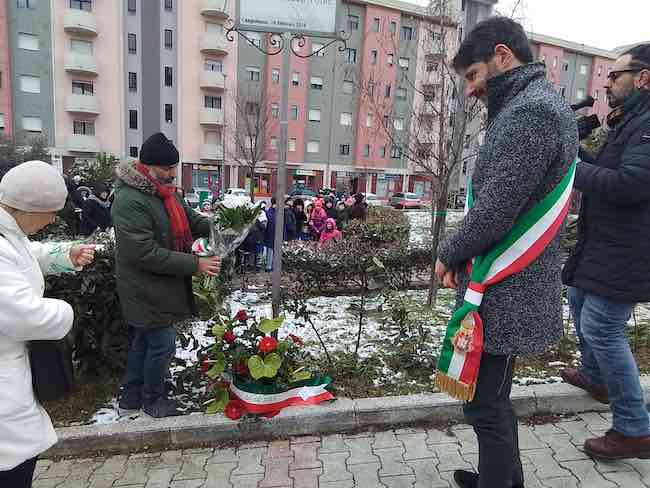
x,y
607,358
268,251
150,352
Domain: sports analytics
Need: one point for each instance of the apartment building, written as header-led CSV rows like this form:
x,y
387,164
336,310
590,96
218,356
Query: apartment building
x,y
6,117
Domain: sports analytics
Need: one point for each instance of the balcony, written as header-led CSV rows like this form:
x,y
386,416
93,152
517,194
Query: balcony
x,y
214,8
82,143
82,104
211,116
214,43
80,64
211,152
213,80
79,22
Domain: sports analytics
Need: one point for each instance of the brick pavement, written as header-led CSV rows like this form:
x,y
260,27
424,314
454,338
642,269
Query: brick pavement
x,y
403,458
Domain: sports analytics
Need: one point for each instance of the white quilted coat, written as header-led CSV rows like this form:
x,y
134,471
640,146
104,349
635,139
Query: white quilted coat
x,y
25,428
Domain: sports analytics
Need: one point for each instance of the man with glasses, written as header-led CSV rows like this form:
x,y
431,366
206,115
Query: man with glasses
x,y
609,269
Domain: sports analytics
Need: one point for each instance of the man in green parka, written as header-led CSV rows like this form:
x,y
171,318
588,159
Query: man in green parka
x,y
154,231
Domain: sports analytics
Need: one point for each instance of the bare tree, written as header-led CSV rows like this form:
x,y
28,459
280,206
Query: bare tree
x,y
251,131
434,138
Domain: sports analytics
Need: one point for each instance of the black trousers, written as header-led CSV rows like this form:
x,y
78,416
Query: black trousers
x,y
493,418
19,477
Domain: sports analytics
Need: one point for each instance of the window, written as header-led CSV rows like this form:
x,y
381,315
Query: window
x,y
314,115
81,47
563,91
396,152
313,147
275,110
86,5
407,33
169,38
393,27
2,121
295,79
373,57
169,112
82,87
24,4
376,23
213,65
275,76
32,124
253,74
390,60
565,66
369,120
371,88
133,119
133,81
387,91
169,4
431,66
584,69
133,151
252,108
255,38
382,151
600,70
386,121
348,87
580,95
350,55
317,49
133,43
28,42
400,93
274,143
131,7
366,151
30,84
344,149
83,127
596,95
294,112
316,83
467,141
169,76
291,147
404,63
398,124
346,118
353,22
214,102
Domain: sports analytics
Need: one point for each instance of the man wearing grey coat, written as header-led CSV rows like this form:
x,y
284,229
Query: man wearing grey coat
x,y
530,143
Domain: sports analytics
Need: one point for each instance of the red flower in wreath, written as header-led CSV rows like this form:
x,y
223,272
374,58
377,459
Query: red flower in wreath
x,y
234,410
242,316
229,336
205,366
267,345
241,368
296,340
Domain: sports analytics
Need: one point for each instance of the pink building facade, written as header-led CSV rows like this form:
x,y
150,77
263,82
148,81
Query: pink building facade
x,y
6,116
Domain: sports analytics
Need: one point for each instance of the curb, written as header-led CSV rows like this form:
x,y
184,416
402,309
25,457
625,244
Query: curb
x,y
343,415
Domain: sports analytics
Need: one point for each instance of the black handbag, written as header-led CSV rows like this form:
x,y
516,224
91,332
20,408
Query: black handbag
x,y
52,371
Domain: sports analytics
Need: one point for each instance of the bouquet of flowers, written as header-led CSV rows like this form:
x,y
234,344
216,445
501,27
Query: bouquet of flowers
x,y
253,372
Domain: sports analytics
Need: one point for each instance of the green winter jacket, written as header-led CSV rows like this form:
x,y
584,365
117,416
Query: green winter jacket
x,y
154,282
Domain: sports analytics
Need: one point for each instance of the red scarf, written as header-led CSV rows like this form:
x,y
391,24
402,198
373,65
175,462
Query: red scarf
x,y
180,227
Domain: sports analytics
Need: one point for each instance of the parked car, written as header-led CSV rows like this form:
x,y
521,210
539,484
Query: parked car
x,y
235,197
405,200
372,200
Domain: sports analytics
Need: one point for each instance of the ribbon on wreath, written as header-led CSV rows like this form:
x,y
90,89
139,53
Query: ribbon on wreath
x,y
460,358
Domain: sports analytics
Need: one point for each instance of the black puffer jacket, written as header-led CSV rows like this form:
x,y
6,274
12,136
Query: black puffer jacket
x,y
612,257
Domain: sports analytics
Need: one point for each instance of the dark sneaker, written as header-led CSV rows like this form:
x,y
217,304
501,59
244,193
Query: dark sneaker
x,y
465,479
128,402
577,379
163,407
614,445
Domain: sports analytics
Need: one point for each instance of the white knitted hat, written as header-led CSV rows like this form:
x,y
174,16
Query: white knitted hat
x,y
33,186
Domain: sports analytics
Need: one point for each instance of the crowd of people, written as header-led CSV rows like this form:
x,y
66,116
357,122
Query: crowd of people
x,y
87,208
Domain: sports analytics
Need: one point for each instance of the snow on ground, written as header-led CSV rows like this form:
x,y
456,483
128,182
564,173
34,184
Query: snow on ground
x,y
421,224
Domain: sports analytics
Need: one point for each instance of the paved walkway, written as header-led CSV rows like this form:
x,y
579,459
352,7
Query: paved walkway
x,y
418,458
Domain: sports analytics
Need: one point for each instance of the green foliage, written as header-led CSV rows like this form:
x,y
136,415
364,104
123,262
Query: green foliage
x,y
264,368
383,225
237,218
270,325
14,151
93,171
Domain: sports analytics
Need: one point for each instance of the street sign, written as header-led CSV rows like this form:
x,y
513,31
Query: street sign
x,y
309,17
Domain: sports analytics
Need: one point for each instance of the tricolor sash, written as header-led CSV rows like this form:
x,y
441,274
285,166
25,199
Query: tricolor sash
x,y
460,358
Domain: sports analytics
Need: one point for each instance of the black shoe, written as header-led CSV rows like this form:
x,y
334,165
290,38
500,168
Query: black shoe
x,y
129,401
163,407
467,479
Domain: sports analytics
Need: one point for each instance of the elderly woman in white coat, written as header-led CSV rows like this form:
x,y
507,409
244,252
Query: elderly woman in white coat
x,y
30,196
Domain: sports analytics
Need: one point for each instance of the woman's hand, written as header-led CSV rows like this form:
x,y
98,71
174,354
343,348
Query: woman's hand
x,y
82,255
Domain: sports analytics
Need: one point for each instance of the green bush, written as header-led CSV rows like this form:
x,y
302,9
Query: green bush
x,y
383,225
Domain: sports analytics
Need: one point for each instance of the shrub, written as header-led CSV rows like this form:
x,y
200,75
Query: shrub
x,y
383,225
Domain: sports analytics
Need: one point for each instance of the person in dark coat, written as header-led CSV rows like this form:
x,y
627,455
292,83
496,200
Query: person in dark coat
x,y
290,224
97,211
154,265
330,209
530,145
269,235
301,218
359,210
609,269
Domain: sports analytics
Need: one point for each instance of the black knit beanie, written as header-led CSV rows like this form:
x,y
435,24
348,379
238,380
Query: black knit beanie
x,y
159,151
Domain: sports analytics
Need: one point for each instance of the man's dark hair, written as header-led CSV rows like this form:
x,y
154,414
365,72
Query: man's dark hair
x,y
640,56
478,46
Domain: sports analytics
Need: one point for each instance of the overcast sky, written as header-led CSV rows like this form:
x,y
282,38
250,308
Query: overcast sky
x,y
600,23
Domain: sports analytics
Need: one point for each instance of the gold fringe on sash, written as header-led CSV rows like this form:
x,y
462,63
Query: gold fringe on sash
x,y
455,388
